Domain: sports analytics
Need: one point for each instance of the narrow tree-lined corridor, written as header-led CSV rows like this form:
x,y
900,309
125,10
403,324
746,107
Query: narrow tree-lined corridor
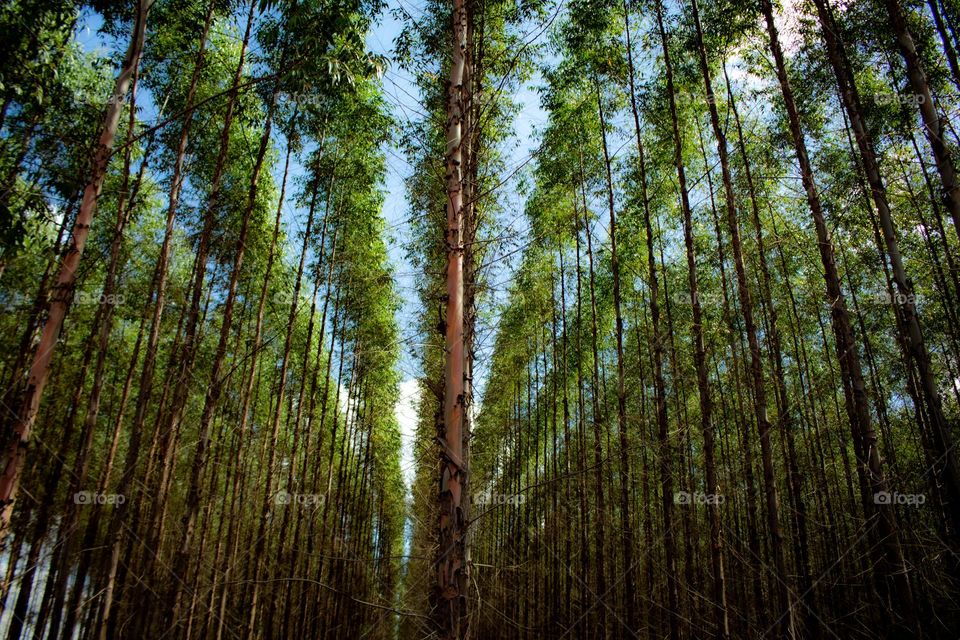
x,y
479,319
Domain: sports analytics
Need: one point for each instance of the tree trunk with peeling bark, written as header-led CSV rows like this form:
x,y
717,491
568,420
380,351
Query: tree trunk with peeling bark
x,y
450,594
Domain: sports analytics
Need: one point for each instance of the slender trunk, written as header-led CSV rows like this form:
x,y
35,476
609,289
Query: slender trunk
x,y
182,364
13,381
721,619
948,49
275,421
783,611
597,417
216,384
158,289
451,597
785,419
855,394
16,447
629,583
932,123
703,385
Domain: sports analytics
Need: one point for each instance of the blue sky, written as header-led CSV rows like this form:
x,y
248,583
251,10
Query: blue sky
x,y
402,94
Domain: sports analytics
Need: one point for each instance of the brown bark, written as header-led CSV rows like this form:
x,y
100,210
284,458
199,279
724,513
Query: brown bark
x,y
759,396
16,449
703,385
450,597
626,524
785,419
932,123
858,410
783,610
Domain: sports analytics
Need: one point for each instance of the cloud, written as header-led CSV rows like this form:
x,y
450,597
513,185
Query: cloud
x,y
406,413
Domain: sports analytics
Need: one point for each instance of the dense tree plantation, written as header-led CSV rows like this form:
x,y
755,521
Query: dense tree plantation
x,y
479,319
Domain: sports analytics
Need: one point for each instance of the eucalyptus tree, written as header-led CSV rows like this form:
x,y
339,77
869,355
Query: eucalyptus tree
x,y
675,431
16,448
305,89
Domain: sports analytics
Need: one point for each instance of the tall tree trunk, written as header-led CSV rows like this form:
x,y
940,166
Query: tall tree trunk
x,y
855,393
216,385
629,583
703,384
721,619
451,597
932,124
785,419
16,448
597,417
181,369
783,609
261,539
